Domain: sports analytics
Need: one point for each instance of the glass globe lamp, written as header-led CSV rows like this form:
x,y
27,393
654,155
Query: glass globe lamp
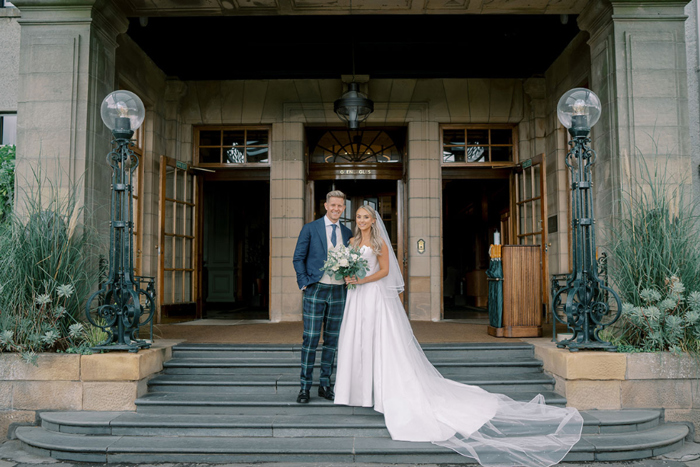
x,y
578,110
353,106
122,112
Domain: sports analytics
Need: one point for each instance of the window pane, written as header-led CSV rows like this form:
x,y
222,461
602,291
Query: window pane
x,y
536,171
234,138
210,138
477,154
454,154
256,137
234,155
477,136
210,155
501,136
257,154
453,137
501,153
8,125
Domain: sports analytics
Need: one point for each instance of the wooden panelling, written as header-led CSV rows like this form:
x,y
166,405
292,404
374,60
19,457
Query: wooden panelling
x,y
522,291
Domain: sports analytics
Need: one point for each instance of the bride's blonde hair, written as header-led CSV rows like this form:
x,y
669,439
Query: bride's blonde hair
x,y
375,238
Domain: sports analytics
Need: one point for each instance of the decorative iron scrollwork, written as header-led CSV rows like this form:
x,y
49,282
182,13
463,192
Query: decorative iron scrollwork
x,y
122,305
588,297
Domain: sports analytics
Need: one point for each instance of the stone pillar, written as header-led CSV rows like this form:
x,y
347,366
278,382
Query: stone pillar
x,y
424,221
638,69
286,217
67,67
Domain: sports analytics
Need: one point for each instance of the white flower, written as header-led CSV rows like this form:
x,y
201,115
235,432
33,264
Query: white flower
x,y
65,290
335,267
344,262
43,299
59,311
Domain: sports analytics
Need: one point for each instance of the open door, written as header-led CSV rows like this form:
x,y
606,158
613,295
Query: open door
x,y
179,296
530,180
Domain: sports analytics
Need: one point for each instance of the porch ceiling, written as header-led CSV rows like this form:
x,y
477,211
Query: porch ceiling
x,y
321,47
325,7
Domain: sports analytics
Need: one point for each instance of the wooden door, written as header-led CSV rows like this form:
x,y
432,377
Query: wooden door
x,y
222,254
179,237
530,180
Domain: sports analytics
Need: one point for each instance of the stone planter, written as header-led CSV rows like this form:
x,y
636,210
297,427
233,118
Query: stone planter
x,y
109,381
608,380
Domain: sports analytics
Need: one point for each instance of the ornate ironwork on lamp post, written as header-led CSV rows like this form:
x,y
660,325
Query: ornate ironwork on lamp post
x,y
587,306
119,309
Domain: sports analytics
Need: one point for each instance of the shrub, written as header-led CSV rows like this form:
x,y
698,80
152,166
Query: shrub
x,y
48,267
655,258
7,181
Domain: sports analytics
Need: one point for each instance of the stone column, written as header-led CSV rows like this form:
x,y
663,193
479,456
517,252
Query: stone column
x,y
286,217
639,71
424,280
67,67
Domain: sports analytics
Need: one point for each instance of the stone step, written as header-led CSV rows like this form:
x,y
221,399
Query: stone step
x,y
289,383
197,366
497,351
272,404
284,426
215,449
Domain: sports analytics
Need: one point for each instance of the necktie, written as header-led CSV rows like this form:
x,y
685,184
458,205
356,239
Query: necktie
x,y
334,239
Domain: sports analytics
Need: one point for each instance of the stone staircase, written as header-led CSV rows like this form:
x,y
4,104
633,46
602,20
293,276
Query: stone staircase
x,y
237,403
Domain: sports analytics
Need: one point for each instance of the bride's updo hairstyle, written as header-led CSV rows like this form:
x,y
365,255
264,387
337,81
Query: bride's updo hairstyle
x,y
375,238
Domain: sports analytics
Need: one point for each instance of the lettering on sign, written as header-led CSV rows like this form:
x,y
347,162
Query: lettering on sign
x,y
356,172
181,165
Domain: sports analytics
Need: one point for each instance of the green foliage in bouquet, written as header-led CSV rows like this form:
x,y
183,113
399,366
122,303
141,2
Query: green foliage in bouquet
x,y
48,267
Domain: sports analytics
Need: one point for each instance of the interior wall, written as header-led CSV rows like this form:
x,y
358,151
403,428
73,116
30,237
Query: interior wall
x,y
570,70
137,73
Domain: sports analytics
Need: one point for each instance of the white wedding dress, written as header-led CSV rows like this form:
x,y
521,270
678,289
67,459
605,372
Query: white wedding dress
x,y
381,365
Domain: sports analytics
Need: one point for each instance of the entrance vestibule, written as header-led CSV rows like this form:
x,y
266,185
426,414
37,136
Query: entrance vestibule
x,y
473,210
236,250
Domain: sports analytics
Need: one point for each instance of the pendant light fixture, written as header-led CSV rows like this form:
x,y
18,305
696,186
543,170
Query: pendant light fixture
x,y
353,106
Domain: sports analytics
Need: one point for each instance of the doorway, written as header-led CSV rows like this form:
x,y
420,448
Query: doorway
x,y
385,196
472,212
236,250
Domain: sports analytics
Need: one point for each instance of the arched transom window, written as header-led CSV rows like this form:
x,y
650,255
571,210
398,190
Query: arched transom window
x,y
343,146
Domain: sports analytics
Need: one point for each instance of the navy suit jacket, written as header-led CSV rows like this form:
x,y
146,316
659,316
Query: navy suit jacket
x,y
312,250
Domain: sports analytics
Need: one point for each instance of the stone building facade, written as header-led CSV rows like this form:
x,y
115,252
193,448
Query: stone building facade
x,y
61,57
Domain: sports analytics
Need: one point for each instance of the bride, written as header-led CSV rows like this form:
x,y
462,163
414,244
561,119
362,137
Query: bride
x,y
381,364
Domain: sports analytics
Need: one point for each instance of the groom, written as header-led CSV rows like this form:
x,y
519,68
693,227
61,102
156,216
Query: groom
x,y
324,296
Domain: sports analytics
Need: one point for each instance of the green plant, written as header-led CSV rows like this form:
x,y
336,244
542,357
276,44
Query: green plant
x,y
655,257
48,267
666,320
7,180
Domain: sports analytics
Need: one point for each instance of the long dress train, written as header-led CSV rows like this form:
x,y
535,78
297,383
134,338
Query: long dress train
x,y
381,364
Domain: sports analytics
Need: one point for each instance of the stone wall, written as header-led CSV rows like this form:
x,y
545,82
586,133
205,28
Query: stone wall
x,y
613,381
570,70
9,58
110,381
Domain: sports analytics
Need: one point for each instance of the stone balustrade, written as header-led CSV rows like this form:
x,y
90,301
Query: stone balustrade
x,y
107,382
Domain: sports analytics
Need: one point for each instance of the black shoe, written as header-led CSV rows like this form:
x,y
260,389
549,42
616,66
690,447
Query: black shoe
x,y
326,392
303,397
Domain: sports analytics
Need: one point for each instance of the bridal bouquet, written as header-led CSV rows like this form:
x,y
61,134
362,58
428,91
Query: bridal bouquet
x,y
345,262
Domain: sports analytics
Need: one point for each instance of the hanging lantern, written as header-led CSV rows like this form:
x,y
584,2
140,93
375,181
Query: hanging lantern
x,y
353,106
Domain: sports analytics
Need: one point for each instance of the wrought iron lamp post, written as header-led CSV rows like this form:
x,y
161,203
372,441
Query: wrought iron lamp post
x,y
119,307
587,297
